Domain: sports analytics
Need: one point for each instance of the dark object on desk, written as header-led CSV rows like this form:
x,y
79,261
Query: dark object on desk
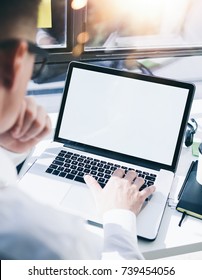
x,y
191,130
20,166
190,197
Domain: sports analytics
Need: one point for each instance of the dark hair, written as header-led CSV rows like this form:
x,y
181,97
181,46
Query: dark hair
x,y
13,12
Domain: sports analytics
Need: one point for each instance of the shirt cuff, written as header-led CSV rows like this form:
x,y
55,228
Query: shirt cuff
x,y
120,236
125,218
16,158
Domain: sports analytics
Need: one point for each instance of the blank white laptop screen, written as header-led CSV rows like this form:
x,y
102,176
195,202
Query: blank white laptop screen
x,y
124,115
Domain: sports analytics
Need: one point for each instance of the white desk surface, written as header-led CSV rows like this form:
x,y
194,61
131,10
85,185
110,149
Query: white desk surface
x,y
172,239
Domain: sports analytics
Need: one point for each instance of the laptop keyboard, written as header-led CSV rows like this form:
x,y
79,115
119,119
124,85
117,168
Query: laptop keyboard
x,y
74,166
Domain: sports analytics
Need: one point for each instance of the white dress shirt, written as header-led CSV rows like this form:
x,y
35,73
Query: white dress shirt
x,y
30,230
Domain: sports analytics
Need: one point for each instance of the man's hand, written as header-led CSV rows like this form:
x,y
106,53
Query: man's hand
x,y
31,126
121,192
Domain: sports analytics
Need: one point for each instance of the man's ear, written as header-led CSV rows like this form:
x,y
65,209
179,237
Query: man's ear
x,y
12,61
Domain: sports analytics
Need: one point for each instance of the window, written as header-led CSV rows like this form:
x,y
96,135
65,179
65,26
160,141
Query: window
x,y
92,29
118,33
144,28
67,22
52,33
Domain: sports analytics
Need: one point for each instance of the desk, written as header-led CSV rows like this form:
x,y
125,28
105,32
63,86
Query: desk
x,y
172,239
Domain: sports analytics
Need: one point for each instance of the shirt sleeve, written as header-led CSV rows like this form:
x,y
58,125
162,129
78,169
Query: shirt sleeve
x,y
120,237
16,158
30,230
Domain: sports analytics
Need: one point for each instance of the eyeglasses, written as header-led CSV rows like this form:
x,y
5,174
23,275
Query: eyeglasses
x,y
41,55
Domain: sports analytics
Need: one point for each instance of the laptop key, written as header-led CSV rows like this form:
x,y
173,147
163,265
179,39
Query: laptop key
x,y
83,156
109,172
62,154
58,162
94,168
101,180
113,168
80,169
49,170
73,158
67,156
90,158
79,179
124,167
56,172
76,155
153,175
102,185
62,174
143,187
87,171
106,166
60,158
67,170
73,167
60,168
149,178
70,176
53,166
101,169
74,172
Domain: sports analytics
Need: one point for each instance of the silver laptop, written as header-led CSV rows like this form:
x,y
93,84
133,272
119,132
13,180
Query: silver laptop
x,y
110,119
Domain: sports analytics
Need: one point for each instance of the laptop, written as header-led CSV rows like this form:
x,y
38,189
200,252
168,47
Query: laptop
x,y
112,119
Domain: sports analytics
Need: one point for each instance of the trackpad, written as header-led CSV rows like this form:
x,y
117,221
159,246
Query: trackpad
x,y
80,200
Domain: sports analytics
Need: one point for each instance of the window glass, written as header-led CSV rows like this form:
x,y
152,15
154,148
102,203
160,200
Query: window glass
x,y
53,35
146,24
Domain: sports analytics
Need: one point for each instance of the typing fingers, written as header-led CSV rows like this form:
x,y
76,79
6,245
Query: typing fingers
x,y
119,173
130,176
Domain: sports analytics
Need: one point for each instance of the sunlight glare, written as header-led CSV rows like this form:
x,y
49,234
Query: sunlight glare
x,y
78,4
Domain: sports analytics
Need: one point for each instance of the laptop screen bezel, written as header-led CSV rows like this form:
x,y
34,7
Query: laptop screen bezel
x,y
119,156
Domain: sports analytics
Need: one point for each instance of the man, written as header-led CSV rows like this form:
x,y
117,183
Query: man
x,y
30,230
